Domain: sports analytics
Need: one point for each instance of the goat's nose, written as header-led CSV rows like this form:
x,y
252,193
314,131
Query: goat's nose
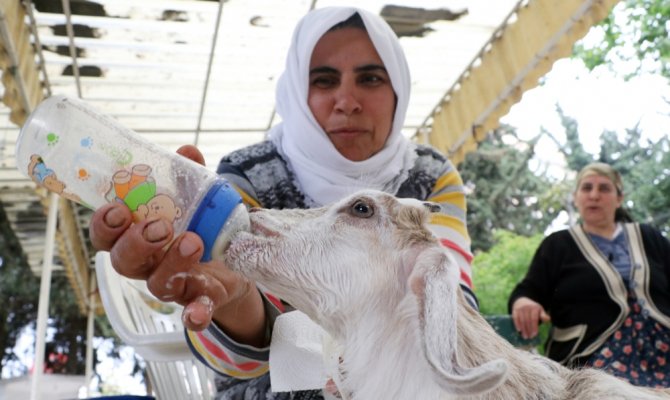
x,y
432,207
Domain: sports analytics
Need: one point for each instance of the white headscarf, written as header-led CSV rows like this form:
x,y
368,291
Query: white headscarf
x,y
322,173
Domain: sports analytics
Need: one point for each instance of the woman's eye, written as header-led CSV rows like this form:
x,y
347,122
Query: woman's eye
x,y
362,209
323,82
371,80
586,188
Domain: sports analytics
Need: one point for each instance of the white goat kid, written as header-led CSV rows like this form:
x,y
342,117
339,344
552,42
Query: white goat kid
x,y
370,273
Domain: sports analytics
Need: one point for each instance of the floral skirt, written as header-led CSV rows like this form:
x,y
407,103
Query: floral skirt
x,y
638,352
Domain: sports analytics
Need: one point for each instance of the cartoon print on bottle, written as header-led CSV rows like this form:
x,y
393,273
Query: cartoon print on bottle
x,y
137,190
46,177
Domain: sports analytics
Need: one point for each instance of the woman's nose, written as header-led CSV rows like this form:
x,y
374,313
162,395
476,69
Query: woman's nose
x,y
346,100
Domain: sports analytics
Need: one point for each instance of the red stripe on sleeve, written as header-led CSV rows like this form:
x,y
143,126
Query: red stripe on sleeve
x,y
218,353
449,244
466,279
277,303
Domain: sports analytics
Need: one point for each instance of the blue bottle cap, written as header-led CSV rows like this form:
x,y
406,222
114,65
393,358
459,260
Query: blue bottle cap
x,y
212,213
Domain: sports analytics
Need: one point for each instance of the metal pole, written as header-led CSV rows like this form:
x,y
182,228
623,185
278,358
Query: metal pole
x,y
45,289
212,51
73,49
89,333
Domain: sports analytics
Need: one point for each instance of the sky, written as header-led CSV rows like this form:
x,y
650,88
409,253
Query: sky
x,y
598,100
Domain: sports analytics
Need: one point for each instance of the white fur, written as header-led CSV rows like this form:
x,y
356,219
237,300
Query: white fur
x,y
386,291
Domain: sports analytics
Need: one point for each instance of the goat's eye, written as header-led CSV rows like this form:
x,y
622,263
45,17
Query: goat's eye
x,y
362,209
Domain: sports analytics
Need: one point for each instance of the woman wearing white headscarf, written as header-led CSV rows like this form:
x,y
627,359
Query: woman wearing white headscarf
x,y
322,173
342,98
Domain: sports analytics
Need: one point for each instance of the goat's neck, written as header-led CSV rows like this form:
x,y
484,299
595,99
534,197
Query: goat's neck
x,y
527,373
382,355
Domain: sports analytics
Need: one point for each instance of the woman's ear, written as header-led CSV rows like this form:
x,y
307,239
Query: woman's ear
x,y
434,282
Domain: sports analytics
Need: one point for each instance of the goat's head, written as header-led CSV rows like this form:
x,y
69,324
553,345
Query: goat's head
x,y
367,250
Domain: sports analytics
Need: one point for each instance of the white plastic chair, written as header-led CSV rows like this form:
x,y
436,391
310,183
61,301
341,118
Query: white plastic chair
x,y
155,331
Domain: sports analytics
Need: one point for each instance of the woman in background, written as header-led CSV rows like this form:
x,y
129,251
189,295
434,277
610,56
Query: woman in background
x,y
604,285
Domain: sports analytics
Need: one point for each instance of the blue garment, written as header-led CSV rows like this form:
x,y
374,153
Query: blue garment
x,y
616,252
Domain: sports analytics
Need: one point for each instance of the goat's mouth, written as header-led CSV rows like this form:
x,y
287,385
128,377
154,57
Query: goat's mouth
x,y
248,250
258,229
244,252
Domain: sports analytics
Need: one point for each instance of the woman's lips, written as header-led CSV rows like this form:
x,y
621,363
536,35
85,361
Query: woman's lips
x,y
346,133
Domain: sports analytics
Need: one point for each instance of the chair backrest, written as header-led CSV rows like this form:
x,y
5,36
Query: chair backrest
x,y
504,326
154,329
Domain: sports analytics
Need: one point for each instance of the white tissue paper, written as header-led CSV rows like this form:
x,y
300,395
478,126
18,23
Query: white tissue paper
x,y
296,354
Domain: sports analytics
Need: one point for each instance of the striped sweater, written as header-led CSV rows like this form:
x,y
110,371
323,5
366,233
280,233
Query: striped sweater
x,y
264,180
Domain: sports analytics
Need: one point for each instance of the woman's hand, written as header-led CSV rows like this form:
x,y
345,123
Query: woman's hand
x,y
146,250
527,315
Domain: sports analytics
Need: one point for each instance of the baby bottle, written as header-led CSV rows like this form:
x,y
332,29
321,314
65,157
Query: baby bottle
x,y
85,156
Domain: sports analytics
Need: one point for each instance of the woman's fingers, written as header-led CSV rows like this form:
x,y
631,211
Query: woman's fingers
x,y
527,315
146,250
140,249
197,315
179,276
191,152
201,288
517,318
135,249
107,224
544,317
532,322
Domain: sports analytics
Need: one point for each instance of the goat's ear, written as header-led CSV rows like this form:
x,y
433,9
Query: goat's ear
x,y
434,281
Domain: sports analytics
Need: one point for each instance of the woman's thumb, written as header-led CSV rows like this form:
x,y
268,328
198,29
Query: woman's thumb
x,y
544,317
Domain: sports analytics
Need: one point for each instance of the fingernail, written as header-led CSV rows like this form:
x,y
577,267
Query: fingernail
x,y
190,315
187,246
114,218
156,231
195,317
195,320
187,316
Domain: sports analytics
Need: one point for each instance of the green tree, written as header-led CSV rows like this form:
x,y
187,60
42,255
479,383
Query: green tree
x,y
644,166
504,193
645,169
637,32
69,334
498,270
18,290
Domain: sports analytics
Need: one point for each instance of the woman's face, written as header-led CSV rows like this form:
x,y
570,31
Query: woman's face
x,y
597,199
350,93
